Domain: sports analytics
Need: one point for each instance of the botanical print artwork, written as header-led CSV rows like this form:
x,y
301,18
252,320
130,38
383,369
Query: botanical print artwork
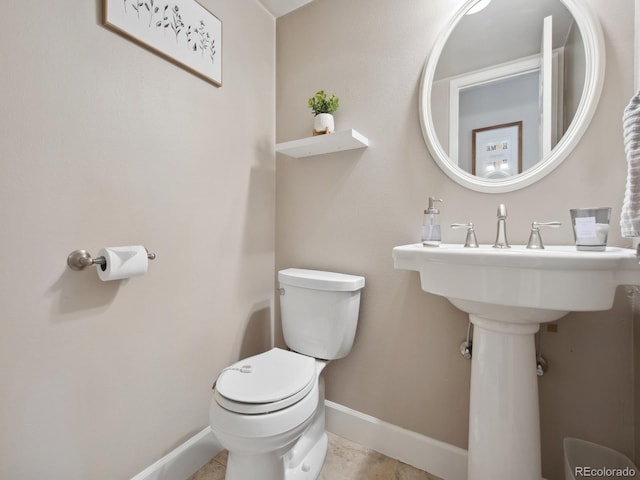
x,y
182,30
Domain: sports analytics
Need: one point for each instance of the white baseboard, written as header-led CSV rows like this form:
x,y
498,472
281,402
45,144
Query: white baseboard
x,y
185,460
439,458
436,457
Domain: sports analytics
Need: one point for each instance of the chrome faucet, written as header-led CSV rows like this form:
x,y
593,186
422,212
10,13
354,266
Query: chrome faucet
x,y
501,235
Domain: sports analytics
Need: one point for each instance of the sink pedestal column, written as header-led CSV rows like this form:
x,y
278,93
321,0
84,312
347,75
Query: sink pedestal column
x,y
504,419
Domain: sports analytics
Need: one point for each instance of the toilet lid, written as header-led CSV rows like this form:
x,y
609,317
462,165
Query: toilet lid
x,y
266,382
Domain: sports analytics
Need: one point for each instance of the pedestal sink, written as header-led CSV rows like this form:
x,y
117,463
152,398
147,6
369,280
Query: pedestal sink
x,y
508,293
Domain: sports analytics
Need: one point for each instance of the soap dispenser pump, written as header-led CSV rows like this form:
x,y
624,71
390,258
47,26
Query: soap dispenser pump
x,y
431,232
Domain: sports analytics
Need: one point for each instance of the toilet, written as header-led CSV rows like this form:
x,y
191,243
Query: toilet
x,y
268,409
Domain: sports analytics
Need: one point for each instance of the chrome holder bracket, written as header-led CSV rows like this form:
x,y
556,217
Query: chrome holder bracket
x,y
80,259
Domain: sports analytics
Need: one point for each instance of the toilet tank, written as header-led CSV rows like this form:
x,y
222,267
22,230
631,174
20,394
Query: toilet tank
x,y
319,311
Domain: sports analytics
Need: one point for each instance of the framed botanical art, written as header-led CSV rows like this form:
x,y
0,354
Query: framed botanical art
x,y
497,150
182,31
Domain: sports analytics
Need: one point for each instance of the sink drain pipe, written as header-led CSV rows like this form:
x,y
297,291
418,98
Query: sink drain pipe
x,y
466,350
541,364
466,346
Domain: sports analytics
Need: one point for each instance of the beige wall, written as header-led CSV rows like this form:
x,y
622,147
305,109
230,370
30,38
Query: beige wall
x,y
104,143
346,211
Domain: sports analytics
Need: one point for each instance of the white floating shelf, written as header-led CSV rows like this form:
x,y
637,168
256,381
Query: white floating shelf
x,y
320,144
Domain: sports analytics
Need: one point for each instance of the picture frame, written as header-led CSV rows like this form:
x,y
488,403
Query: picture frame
x,y
181,31
497,150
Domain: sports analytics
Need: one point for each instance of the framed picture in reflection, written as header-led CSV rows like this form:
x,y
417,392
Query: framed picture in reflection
x,y
496,151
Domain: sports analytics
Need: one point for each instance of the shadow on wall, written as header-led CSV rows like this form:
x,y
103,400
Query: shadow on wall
x,y
257,333
81,291
259,232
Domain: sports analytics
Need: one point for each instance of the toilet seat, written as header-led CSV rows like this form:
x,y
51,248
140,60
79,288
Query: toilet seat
x,y
267,382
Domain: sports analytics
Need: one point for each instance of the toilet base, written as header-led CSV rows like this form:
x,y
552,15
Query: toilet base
x,y
302,461
311,464
290,466
242,466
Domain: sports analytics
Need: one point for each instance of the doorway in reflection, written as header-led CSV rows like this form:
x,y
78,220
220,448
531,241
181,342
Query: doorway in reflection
x,y
501,102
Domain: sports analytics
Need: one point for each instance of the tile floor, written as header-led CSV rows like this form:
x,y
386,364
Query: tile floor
x,y
345,461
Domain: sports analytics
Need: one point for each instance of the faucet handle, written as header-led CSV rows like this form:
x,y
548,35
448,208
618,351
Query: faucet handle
x,y
470,241
535,240
502,211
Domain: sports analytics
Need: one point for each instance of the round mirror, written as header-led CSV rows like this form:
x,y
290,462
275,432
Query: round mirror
x,y
509,89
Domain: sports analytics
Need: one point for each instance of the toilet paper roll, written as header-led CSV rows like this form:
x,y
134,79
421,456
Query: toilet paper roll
x,y
122,262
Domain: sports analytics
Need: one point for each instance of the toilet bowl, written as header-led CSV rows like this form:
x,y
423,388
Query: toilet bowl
x,y
268,409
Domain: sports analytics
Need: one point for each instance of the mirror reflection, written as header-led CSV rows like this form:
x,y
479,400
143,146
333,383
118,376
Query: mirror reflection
x,y
507,85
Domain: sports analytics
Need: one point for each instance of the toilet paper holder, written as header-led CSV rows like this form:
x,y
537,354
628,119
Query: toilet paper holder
x,y
79,259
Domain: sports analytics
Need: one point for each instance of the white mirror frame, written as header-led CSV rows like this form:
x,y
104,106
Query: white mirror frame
x,y
594,79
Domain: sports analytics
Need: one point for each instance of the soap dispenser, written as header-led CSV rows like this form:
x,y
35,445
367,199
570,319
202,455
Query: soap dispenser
x,y
431,234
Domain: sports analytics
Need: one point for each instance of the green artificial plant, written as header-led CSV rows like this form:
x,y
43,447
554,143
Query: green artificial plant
x,y
319,103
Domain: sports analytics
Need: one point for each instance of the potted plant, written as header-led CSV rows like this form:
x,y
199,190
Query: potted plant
x,y
323,108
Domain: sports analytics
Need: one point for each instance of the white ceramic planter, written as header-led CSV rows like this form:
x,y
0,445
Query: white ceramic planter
x,y
323,123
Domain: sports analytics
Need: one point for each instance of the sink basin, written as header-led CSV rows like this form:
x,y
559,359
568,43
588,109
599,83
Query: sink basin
x,y
539,285
507,294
